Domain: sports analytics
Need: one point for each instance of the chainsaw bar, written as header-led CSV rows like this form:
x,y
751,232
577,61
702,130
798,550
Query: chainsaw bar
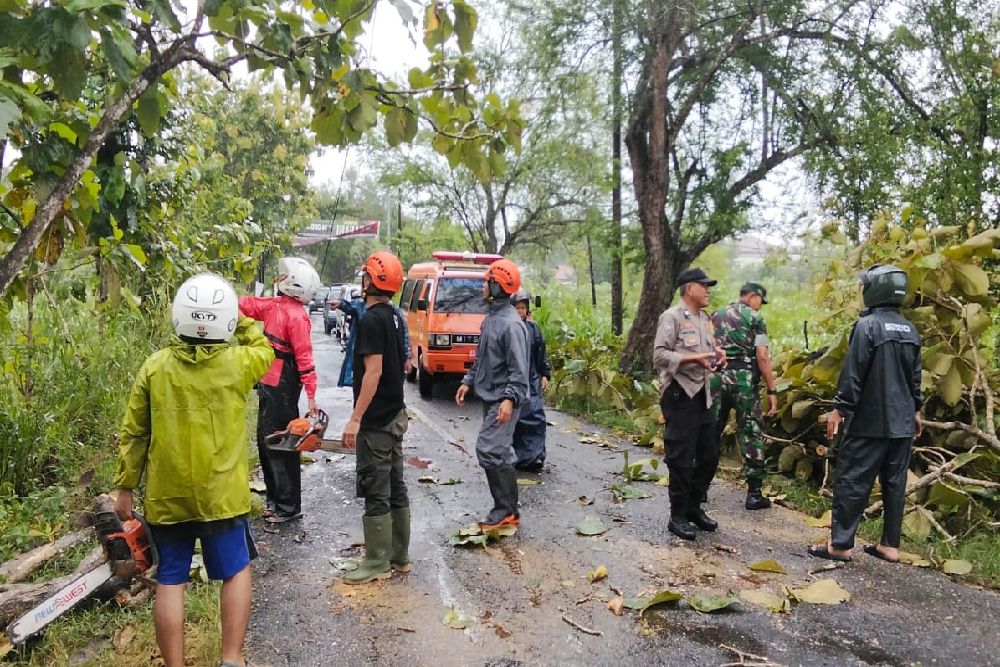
x,y
59,603
331,445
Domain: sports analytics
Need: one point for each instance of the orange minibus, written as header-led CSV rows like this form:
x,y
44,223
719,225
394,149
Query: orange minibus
x,y
444,308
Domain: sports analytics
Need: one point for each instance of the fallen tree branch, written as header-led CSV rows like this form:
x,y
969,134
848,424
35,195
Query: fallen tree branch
x,y
22,566
582,628
934,475
756,660
972,481
992,441
15,599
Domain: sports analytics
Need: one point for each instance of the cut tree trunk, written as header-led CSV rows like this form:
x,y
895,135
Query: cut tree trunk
x,y
15,599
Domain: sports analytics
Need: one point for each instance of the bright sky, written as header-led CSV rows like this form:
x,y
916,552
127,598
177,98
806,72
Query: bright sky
x,y
392,51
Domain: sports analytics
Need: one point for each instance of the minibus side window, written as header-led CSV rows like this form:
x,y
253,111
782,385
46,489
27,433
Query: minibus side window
x,y
405,295
417,291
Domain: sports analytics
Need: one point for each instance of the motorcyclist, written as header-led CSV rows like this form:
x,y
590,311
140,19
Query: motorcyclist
x,y
529,434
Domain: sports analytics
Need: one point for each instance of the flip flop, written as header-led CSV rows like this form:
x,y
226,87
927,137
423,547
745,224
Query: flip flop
x,y
872,550
267,513
823,551
277,518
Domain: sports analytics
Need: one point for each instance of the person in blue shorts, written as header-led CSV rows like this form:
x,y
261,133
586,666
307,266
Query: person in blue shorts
x,y
185,429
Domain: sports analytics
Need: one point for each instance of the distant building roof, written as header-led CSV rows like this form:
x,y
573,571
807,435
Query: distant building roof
x,y
565,273
749,249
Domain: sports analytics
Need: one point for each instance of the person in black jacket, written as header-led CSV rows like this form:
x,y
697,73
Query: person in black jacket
x,y
529,434
878,408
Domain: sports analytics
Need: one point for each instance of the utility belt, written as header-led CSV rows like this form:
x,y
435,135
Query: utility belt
x,y
740,364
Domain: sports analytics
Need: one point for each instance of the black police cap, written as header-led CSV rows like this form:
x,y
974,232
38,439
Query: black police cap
x,y
695,275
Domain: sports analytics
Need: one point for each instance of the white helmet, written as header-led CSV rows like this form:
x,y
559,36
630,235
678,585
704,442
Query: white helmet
x,y
299,279
206,307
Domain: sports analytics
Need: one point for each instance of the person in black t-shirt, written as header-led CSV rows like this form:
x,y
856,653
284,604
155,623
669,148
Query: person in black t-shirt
x,y
377,424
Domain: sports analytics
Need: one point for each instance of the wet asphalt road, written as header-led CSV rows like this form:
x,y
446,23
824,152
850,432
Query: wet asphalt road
x,y
519,591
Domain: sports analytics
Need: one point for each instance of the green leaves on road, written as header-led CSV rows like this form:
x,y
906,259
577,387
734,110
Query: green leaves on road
x,y
768,565
709,604
625,492
476,536
457,619
590,527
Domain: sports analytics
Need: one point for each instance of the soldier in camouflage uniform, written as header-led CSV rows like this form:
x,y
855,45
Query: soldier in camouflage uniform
x,y
740,330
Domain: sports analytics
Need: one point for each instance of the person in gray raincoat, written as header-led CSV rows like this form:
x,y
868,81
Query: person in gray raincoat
x,y
529,434
499,377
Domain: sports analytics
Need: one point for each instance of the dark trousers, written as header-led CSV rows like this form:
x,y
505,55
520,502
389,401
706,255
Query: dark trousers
x,y
691,448
380,466
529,433
282,471
859,460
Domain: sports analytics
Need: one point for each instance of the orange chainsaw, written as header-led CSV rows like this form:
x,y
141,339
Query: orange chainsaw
x,y
304,434
129,551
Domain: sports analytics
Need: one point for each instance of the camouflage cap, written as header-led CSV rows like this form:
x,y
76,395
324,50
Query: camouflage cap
x,y
755,288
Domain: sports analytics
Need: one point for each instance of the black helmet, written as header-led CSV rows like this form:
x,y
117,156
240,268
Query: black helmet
x,y
519,296
883,285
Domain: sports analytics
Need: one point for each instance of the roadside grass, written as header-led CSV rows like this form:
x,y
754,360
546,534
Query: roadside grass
x,y
616,420
61,397
104,634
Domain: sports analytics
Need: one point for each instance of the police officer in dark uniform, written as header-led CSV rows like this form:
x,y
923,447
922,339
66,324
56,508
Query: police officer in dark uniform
x,y
878,408
685,354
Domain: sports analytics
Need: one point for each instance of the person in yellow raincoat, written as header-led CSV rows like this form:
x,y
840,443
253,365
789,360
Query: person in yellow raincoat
x,y
185,428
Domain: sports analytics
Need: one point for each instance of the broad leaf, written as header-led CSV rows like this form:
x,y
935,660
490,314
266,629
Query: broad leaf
x,y
662,597
823,591
708,604
768,565
9,114
626,492
465,25
971,279
959,567
775,603
821,522
457,619
591,526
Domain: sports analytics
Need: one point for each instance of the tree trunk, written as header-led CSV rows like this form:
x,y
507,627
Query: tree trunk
x,y
648,148
590,269
617,314
15,599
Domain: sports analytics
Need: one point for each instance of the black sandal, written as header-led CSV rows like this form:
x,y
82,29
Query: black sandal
x,y
823,551
872,550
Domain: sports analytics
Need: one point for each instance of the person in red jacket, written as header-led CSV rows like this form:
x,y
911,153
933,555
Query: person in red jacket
x,y
287,327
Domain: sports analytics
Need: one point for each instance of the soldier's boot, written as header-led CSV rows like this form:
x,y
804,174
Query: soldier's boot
x,y
399,557
755,499
378,543
697,516
679,524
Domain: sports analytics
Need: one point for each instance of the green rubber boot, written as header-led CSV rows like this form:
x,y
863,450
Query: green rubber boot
x,y
399,557
378,542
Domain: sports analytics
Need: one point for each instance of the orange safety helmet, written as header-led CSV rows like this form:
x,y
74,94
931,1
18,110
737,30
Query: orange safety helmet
x,y
505,274
385,271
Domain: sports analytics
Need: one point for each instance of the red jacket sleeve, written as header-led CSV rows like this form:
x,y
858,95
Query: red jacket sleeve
x,y
256,307
301,341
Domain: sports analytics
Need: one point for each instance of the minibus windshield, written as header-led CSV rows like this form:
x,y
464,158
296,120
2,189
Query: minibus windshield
x,y
460,295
